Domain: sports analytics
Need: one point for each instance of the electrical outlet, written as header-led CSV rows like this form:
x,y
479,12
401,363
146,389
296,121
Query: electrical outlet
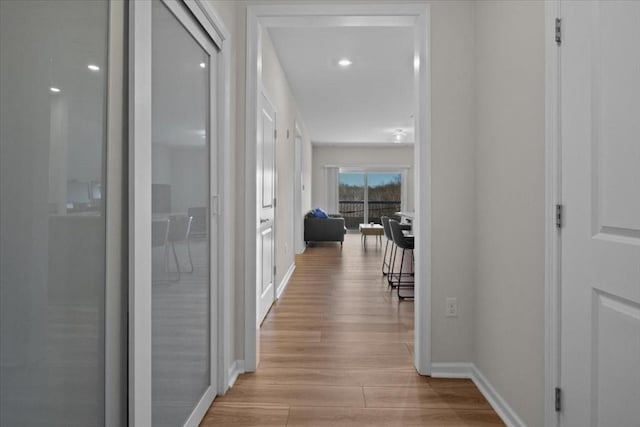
x,y
452,307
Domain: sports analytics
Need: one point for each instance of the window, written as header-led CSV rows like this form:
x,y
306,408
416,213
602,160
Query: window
x,y
366,196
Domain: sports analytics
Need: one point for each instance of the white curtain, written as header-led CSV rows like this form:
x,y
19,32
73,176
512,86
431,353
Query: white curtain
x,y
331,192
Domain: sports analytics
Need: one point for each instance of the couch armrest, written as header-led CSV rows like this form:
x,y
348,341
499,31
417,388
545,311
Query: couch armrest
x,y
324,229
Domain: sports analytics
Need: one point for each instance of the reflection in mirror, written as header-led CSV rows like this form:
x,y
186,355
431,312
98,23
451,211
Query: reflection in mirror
x,y
180,220
52,222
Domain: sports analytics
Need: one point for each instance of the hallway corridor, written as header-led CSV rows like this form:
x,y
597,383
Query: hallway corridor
x,y
336,350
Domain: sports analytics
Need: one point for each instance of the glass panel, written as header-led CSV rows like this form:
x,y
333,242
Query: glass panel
x,y
385,195
180,224
52,252
351,197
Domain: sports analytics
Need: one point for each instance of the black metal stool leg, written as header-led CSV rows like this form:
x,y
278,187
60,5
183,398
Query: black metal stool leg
x,y
407,284
392,274
384,259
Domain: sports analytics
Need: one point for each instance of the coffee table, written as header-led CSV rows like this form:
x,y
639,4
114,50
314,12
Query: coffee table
x,y
375,230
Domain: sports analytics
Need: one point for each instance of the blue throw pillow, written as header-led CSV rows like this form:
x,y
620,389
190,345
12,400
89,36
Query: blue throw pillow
x,y
319,213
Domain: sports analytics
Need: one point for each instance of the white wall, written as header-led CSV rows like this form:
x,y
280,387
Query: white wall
x,y
233,14
509,327
452,198
332,155
279,93
486,87
453,166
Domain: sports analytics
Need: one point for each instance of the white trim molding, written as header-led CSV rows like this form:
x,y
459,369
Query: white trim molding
x,y
139,155
471,371
452,370
497,402
391,14
234,371
227,192
285,280
553,196
364,144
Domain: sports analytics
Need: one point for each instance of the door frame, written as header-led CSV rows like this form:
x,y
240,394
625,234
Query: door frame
x,y
298,160
416,16
139,177
115,364
553,197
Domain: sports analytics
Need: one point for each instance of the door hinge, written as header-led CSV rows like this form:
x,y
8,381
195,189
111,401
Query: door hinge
x,y
558,399
275,134
274,202
559,216
558,31
274,270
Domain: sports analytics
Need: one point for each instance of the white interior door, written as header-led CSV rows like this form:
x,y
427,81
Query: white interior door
x,y
266,208
600,278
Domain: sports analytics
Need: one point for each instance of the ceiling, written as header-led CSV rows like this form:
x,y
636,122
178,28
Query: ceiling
x,y
363,103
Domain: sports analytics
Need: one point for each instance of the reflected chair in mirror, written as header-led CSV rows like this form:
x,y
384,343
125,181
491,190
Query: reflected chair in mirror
x,y
199,222
402,279
159,239
179,229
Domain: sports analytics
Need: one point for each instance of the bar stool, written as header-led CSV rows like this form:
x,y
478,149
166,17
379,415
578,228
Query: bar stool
x,y
399,280
386,264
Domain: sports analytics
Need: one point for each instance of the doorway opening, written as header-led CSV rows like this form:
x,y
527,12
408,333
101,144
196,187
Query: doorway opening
x,y
414,17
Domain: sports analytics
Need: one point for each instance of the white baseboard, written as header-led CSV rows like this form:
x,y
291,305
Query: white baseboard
x,y
499,404
235,370
452,370
471,371
285,281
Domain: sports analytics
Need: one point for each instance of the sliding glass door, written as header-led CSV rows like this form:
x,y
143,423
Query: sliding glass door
x,y
384,195
367,196
351,197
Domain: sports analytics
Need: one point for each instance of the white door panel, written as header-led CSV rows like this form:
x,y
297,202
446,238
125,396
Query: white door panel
x,y
266,209
600,271
266,242
616,111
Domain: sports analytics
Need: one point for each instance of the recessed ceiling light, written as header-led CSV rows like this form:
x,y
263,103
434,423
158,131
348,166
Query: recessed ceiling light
x,y
344,62
54,89
93,67
203,65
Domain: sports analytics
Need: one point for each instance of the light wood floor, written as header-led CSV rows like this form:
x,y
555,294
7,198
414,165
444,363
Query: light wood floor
x,y
336,350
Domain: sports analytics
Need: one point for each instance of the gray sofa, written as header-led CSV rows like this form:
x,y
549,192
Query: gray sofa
x,y
330,229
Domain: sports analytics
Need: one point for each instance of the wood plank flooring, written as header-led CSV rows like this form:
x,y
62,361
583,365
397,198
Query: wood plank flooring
x,y
336,350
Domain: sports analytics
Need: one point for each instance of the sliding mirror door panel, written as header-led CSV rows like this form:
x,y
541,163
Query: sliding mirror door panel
x,y
184,64
53,144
